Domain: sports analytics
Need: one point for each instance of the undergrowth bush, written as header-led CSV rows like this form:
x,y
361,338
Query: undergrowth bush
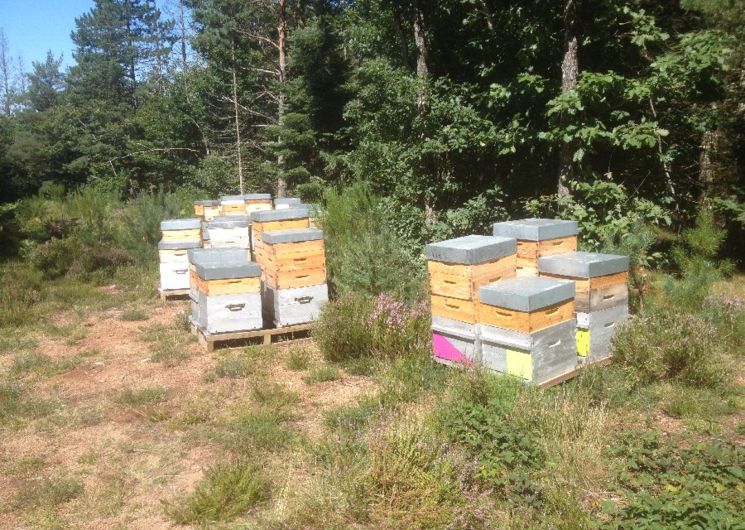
x,y
355,326
20,291
664,345
364,254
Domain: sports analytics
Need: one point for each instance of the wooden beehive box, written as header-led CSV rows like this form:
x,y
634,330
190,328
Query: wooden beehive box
x,y
174,264
229,231
293,258
228,294
232,205
180,230
537,238
459,267
204,255
275,220
207,210
257,202
600,279
527,327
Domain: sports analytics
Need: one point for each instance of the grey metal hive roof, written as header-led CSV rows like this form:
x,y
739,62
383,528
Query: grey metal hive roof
x,y
220,270
288,200
280,215
207,203
471,250
583,264
178,245
204,255
181,224
276,237
229,221
535,229
527,294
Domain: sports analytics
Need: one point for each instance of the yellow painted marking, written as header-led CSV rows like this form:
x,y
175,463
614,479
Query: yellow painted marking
x,y
583,342
520,364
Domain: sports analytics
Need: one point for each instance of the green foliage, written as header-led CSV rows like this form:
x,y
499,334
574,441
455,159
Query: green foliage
x,y
143,396
234,366
298,359
673,482
227,491
364,254
659,346
49,492
342,331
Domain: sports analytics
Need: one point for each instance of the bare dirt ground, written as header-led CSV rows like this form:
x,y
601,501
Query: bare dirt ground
x,y
132,459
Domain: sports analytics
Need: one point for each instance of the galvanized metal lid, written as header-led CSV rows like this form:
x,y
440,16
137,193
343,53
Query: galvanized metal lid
x,y
535,229
264,216
181,224
232,199
297,235
470,250
178,245
288,200
527,294
229,221
203,255
583,264
220,270
207,203
257,197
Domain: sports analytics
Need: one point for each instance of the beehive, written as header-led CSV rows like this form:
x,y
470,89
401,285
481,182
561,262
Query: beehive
x,y
207,210
256,202
601,300
206,254
229,231
275,220
228,293
174,264
286,203
527,327
294,264
457,268
185,231
537,238
232,205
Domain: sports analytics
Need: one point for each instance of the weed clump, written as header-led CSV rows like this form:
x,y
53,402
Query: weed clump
x,y
227,491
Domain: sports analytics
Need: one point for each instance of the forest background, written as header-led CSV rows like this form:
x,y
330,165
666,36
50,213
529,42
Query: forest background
x,y
457,113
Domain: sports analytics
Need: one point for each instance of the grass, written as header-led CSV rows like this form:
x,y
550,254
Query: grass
x,y
168,345
41,365
322,374
298,359
16,344
234,366
133,315
142,397
49,492
227,490
17,405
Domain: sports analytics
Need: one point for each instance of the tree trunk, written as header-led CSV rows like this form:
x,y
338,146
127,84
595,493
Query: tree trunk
x,y
239,160
5,72
422,71
184,62
569,74
282,46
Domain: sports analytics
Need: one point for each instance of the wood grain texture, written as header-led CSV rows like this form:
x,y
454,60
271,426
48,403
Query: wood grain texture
x,y
454,308
525,322
199,210
227,286
463,281
170,256
598,293
292,279
549,247
171,236
233,209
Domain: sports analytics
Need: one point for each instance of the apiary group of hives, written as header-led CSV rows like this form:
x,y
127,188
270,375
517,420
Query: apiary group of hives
x,y
247,263
523,301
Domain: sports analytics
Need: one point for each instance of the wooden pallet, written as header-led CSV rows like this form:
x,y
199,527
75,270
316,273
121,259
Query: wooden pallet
x,y
261,336
173,294
573,373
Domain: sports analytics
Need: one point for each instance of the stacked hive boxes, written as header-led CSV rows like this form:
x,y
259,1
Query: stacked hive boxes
x,y
177,237
257,202
268,221
228,231
228,292
284,204
527,327
601,297
206,254
537,238
294,266
457,269
206,210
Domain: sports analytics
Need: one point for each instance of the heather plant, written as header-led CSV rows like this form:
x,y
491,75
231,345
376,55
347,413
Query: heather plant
x,y
398,328
343,332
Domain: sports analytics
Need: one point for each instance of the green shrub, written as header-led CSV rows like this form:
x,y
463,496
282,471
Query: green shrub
x,y
364,253
20,291
665,345
322,374
55,257
227,491
342,331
